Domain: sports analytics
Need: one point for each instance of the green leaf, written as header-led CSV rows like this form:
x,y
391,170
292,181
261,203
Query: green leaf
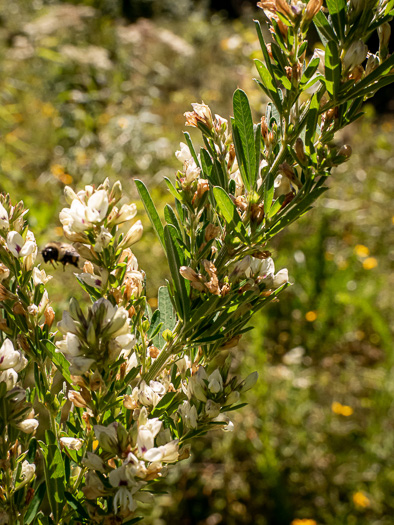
x,y
269,86
174,192
311,124
54,474
167,314
191,147
35,504
332,69
171,218
180,296
151,210
245,150
76,506
310,71
337,10
229,212
324,28
154,322
58,359
269,189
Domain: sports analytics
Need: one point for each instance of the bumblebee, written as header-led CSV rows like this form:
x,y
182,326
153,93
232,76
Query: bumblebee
x,y
60,252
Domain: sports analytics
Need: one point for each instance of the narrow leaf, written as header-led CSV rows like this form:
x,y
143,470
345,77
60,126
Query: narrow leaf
x,y
179,282
54,474
244,122
332,66
151,210
337,10
268,83
229,211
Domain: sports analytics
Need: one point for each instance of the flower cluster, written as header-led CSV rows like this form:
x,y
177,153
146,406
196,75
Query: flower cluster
x,y
97,340
96,222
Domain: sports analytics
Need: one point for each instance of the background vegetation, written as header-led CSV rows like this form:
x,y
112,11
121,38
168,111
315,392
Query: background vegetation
x,y
87,94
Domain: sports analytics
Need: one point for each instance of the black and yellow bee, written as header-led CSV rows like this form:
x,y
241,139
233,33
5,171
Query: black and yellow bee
x,y
60,252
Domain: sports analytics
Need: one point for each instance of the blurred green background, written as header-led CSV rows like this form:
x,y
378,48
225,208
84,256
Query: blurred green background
x,y
85,94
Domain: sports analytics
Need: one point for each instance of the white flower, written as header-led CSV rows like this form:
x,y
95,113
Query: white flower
x,y
80,365
146,395
17,246
40,277
9,377
107,436
4,224
93,462
31,257
27,473
202,111
183,154
355,55
126,213
215,383
197,386
28,426
189,414
93,488
97,206
212,409
132,236
90,279
147,434
192,171
72,443
70,345
281,278
167,453
126,342
9,358
282,184
75,217
183,364
119,322
122,479
102,240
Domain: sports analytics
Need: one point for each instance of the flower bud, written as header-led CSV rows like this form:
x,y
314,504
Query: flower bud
x,y
71,443
132,236
69,194
154,351
212,409
28,426
299,149
355,55
312,8
189,274
116,192
345,151
49,315
77,398
4,272
384,32
107,437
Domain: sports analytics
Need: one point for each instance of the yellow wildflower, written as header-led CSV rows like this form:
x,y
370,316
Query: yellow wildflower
x,y
370,263
361,250
311,316
342,410
361,500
